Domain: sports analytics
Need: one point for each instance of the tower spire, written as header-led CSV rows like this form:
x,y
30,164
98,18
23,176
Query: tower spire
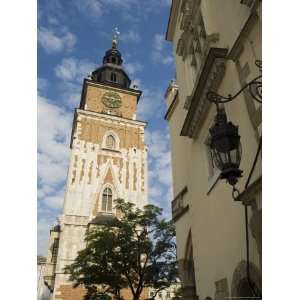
x,y
115,38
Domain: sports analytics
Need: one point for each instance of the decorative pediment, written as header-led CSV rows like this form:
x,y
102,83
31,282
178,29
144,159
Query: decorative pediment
x,y
109,176
208,80
194,39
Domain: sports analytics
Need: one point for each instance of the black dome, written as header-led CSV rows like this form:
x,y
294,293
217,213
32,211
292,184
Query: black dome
x,y
113,56
111,72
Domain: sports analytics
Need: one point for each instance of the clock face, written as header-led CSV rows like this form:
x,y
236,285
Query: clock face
x,y
112,100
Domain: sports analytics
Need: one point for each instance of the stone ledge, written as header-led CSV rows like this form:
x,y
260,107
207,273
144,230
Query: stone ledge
x,y
209,80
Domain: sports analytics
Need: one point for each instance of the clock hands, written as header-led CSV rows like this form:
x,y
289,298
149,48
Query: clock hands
x,y
112,100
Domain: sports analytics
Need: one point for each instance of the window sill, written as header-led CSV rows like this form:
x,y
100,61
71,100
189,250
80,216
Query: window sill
x,y
213,180
112,150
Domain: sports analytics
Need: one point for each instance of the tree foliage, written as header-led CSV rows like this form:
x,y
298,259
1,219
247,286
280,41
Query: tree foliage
x,y
135,251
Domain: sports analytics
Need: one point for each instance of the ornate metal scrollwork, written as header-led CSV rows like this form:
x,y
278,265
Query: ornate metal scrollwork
x,y
254,87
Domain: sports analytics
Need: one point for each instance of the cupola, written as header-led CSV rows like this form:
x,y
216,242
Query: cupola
x,y
111,72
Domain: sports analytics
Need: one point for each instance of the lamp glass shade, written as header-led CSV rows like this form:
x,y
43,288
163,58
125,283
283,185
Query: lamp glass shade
x,y
226,147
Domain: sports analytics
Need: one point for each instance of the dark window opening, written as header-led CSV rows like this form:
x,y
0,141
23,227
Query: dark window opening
x,y
113,77
113,60
55,250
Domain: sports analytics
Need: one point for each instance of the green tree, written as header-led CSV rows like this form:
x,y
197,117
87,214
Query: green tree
x,y
135,251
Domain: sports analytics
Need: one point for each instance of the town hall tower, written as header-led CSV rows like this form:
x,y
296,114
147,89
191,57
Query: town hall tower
x,y
108,161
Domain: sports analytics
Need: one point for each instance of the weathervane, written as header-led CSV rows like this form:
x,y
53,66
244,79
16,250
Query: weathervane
x,y
115,38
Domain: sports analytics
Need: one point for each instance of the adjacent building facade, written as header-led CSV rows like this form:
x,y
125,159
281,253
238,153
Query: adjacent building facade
x,y
43,292
216,44
108,161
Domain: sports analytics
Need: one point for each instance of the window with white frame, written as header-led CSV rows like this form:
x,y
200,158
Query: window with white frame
x,y
107,200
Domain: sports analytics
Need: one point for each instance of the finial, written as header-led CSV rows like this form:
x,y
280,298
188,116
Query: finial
x,y
115,38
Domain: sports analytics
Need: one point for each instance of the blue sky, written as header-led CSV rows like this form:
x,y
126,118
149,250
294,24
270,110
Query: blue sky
x,y
72,38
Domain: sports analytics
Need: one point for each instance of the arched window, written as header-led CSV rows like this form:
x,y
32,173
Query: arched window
x,y
110,142
107,200
113,77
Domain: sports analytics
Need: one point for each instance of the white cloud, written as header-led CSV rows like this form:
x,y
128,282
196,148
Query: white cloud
x,y
160,180
55,201
160,166
133,68
50,171
157,143
132,10
130,36
53,20
54,43
150,103
159,42
159,159
71,93
54,126
44,225
159,50
74,69
154,192
90,7
42,83
167,60
44,190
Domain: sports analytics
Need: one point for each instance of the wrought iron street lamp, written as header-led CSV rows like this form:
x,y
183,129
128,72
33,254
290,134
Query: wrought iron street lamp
x,y
225,142
226,147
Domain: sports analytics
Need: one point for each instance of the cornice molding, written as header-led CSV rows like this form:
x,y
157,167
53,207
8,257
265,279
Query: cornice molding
x,y
110,117
238,45
209,80
171,107
172,20
96,115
